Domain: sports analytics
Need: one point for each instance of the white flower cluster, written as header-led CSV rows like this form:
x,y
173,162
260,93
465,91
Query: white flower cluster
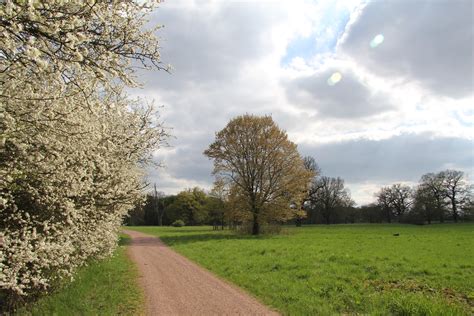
x,y
72,144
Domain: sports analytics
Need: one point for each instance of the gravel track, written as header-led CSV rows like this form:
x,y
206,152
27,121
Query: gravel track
x,y
174,285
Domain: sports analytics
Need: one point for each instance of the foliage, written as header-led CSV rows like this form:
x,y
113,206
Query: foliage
x,y
72,144
178,223
189,206
217,204
194,206
149,212
262,167
342,269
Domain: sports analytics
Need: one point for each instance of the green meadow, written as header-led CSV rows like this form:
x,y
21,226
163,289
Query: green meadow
x,y
341,269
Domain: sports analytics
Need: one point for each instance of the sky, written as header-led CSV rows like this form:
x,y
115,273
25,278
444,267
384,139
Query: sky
x,y
378,92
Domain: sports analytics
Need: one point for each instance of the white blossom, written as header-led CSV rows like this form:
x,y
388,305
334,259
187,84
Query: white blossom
x,y
72,143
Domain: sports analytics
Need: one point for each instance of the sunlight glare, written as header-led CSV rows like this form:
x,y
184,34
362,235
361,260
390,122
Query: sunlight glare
x,y
335,78
377,40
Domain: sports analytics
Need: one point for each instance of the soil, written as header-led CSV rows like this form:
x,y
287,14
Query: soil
x,y
174,285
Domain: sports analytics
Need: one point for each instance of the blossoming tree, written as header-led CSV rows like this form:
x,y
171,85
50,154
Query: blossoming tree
x,y
72,143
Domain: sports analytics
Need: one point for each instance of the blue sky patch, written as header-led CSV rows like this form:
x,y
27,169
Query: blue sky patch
x,y
323,39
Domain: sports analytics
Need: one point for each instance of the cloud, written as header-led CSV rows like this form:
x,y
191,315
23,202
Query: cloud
x,y
349,98
208,43
400,158
390,118
430,42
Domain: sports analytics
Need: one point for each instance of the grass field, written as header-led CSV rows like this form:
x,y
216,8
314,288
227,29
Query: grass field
x,y
107,287
426,270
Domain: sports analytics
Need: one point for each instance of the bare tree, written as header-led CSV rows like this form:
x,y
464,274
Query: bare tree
x,y
310,165
456,189
395,200
329,193
401,199
383,201
432,194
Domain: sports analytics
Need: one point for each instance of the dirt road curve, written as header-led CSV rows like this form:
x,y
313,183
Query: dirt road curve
x,y
176,286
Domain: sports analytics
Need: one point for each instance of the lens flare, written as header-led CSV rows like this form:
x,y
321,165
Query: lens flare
x,y
335,78
377,40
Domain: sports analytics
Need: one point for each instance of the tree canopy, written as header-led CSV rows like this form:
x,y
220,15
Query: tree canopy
x,y
263,168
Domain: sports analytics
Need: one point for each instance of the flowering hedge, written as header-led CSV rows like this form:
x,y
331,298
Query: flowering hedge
x,y
72,144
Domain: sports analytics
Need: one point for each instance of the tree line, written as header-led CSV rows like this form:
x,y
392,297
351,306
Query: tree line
x,y
261,179
439,197
192,206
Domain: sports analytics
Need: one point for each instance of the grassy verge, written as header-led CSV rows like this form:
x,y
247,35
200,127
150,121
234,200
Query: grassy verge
x,y
107,287
342,269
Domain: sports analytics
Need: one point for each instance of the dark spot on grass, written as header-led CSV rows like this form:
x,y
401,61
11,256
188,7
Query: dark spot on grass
x,y
275,267
303,276
332,258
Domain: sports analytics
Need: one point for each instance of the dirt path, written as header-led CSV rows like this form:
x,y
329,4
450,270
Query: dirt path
x,y
176,286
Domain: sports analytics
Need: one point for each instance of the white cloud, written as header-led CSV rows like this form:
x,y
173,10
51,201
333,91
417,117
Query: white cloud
x,y
228,61
430,42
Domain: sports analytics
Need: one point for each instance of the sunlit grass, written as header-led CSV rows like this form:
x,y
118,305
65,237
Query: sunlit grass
x,y
426,270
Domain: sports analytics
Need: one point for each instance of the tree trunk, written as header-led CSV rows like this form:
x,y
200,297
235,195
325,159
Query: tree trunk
x,y
455,211
298,222
160,219
255,227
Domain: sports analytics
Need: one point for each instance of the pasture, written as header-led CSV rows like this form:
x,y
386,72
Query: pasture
x,y
426,270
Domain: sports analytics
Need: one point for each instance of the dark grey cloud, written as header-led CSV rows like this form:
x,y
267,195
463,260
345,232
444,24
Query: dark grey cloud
x,y
350,98
401,158
189,161
430,41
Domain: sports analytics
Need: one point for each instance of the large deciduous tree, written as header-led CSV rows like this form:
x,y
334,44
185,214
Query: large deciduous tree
x,y
72,144
265,172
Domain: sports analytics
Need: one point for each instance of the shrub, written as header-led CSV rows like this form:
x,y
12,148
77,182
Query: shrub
x,y
178,223
266,229
72,144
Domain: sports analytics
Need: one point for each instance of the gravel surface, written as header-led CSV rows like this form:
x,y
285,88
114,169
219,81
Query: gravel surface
x,y
176,286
